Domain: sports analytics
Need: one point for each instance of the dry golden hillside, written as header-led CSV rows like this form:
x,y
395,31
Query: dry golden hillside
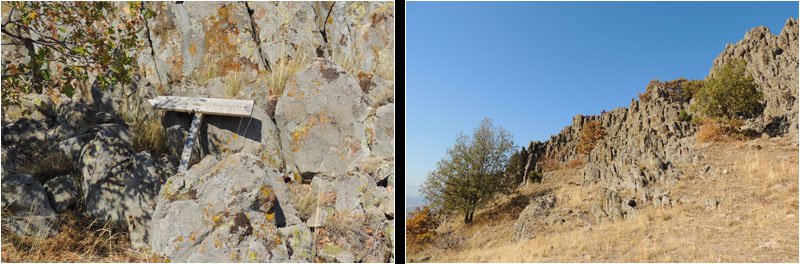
x,y
748,212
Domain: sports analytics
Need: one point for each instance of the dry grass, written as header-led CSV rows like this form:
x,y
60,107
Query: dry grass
x,y
708,132
234,83
47,166
149,135
756,222
80,240
283,70
202,75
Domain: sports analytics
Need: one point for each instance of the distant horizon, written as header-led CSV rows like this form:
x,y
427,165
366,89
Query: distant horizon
x,y
521,72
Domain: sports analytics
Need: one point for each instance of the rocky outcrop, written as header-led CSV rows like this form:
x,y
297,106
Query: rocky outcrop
x,y
321,116
636,161
772,61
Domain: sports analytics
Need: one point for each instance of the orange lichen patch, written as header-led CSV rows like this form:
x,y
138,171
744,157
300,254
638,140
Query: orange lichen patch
x,y
176,71
300,135
193,48
221,49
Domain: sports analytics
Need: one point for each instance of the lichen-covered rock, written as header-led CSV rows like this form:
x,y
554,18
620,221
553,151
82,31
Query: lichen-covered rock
x,y
321,117
532,217
287,29
202,40
63,192
222,211
119,185
382,132
30,212
362,33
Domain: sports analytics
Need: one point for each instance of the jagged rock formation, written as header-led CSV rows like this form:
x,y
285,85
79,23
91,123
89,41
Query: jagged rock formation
x,y
772,61
635,163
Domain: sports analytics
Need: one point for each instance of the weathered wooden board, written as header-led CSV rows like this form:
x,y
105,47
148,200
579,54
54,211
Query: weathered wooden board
x,y
211,106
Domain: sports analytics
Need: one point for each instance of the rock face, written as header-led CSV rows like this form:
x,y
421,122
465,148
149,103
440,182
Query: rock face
x,y
26,200
221,211
772,61
635,162
321,119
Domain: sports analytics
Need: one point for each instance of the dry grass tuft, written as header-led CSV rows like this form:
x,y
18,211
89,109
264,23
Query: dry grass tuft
x,y
80,240
283,70
234,83
47,166
149,135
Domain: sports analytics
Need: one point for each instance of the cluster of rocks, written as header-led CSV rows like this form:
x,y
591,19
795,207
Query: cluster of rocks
x,y
61,161
635,162
329,131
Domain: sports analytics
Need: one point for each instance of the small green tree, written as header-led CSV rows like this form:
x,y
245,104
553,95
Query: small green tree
x,y
729,94
472,172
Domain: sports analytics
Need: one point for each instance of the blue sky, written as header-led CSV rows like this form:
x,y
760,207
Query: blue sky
x,y
532,66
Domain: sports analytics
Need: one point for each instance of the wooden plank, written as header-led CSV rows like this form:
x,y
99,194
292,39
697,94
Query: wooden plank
x,y
212,106
187,147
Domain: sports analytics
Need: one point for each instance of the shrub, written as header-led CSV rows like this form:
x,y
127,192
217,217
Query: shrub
x,y
575,163
550,165
684,116
535,176
709,132
683,90
730,93
592,132
449,240
421,225
644,97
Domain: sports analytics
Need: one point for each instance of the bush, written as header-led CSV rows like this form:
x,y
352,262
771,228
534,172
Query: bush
x,y
730,93
421,225
535,176
550,165
575,163
592,132
682,90
449,240
684,116
709,132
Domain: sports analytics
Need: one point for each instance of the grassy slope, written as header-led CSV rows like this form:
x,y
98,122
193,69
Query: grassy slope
x,y
756,222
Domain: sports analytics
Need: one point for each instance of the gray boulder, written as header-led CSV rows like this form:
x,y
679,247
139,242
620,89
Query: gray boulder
x,y
532,217
321,120
30,212
223,211
63,192
119,185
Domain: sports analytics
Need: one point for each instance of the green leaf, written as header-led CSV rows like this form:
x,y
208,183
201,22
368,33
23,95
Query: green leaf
x,y
62,30
68,90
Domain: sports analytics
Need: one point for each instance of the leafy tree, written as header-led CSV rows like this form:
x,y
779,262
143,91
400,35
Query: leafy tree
x,y
421,225
729,94
592,132
66,43
472,172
